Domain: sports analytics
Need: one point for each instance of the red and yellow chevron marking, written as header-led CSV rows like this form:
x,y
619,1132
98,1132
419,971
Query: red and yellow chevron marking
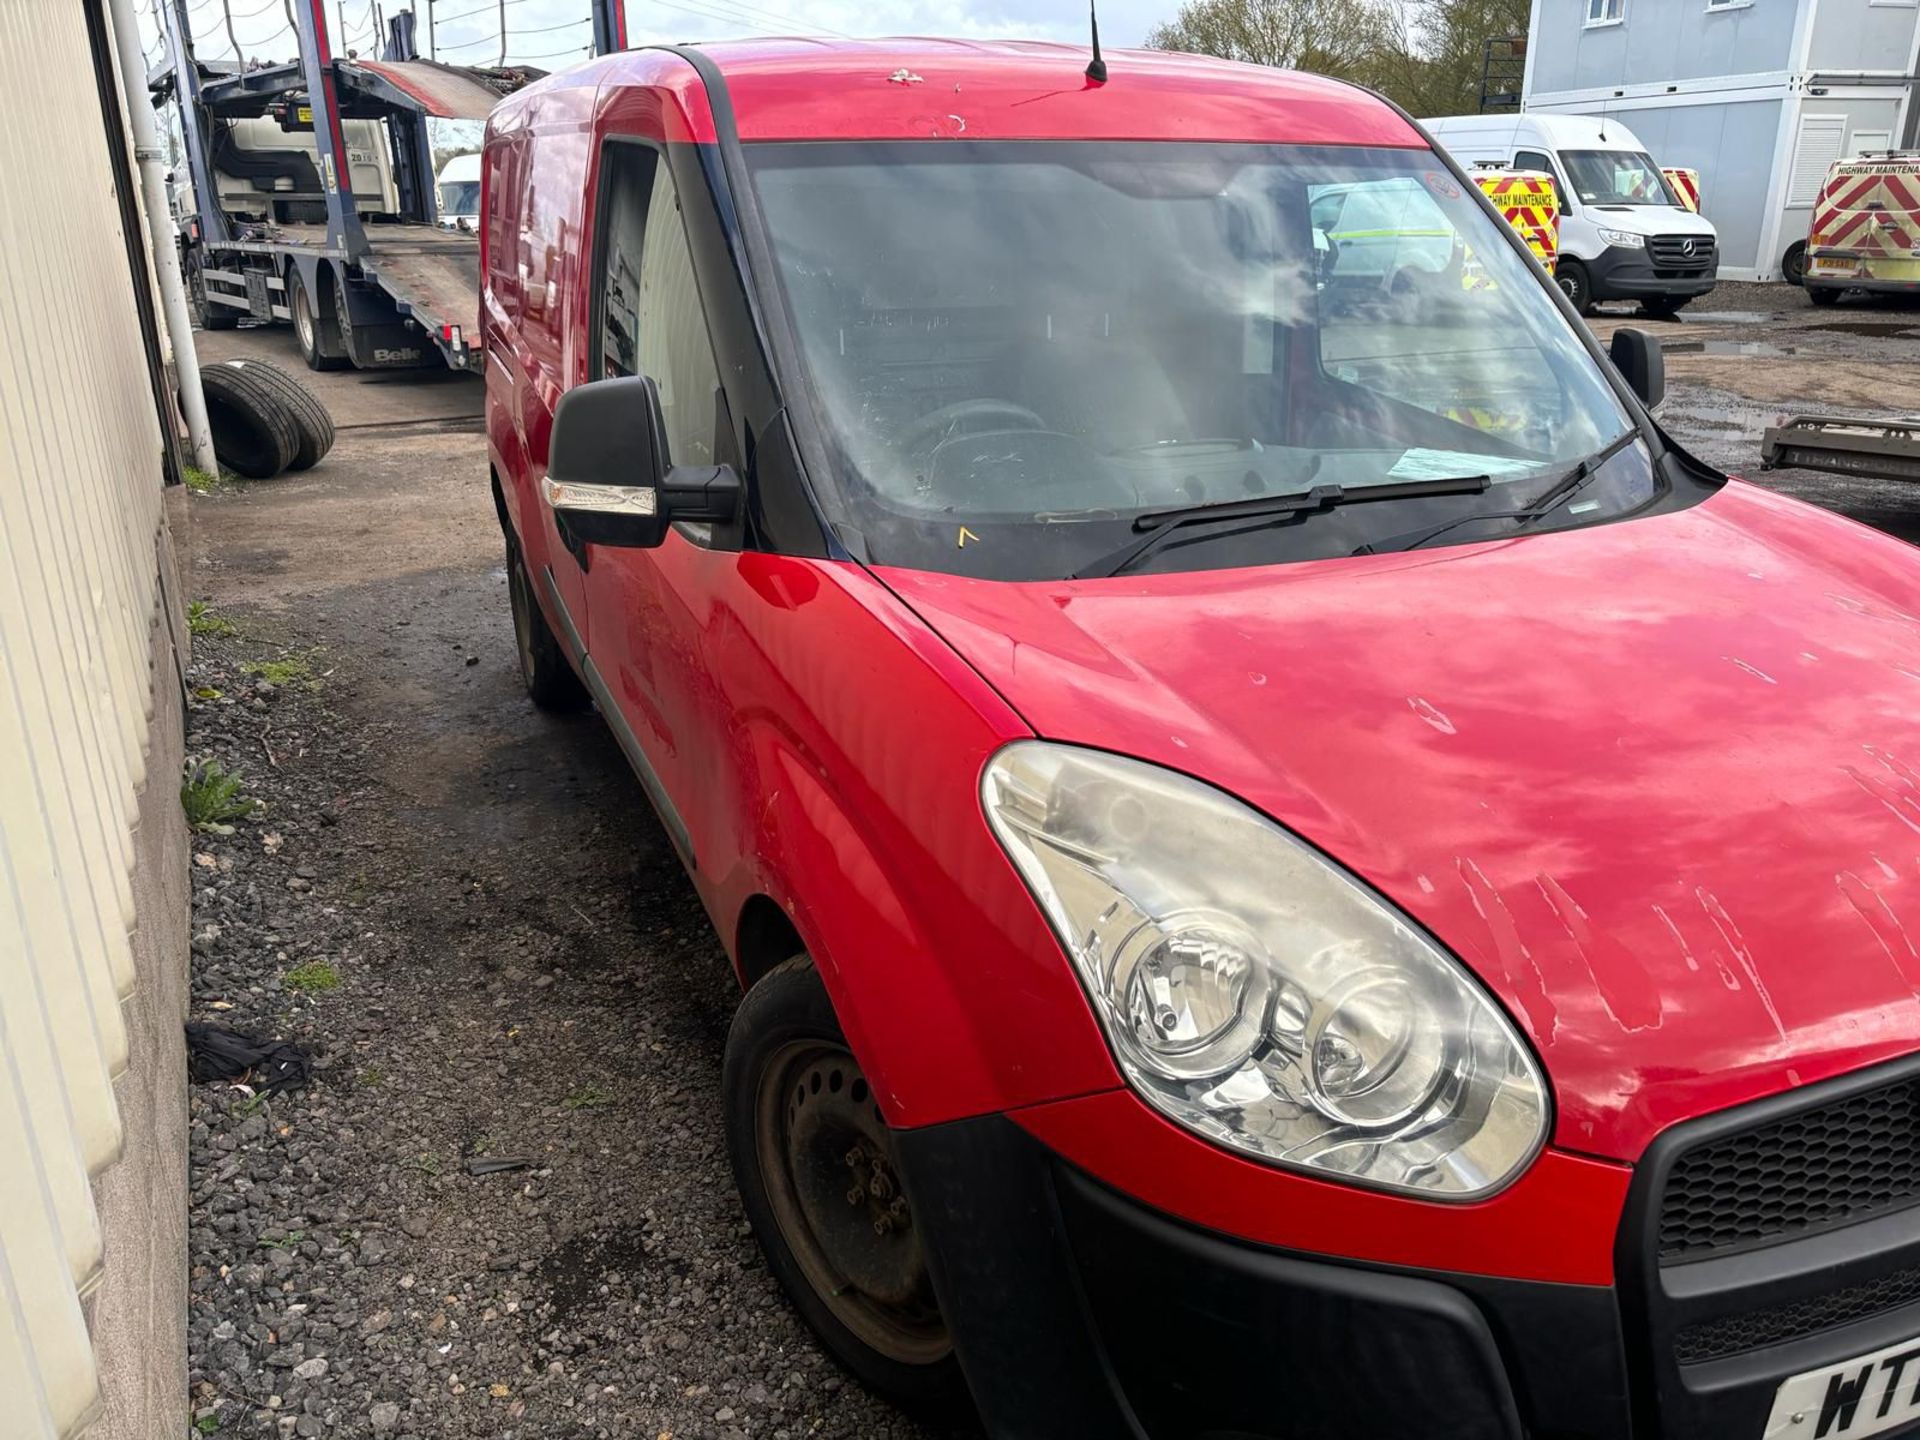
x,y
1685,183
1527,201
1866,223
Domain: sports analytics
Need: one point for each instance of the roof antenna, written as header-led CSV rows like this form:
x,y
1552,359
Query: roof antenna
x,y
1097,68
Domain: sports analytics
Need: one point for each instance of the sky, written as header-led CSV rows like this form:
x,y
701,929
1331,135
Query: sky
x,y
553,33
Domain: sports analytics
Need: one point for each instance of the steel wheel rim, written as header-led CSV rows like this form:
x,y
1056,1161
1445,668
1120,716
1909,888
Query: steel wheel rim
x,y
302,317
827,1161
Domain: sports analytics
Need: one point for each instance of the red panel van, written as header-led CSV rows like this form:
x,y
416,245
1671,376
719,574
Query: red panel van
x,y
1297,867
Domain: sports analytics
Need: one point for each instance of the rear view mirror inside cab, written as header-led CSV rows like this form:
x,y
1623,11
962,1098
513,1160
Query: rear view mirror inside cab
x,y
605,481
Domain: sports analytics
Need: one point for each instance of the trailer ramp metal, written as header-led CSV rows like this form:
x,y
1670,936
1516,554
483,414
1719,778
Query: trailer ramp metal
x,y
1888,448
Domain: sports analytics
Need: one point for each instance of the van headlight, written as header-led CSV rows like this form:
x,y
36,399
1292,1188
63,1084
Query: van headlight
x,y
1625,239
1254,992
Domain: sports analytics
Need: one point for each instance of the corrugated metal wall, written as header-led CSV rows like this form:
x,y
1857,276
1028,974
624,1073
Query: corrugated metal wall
x,y
80,516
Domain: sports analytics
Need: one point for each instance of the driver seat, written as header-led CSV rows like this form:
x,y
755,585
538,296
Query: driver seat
x,y
1110,394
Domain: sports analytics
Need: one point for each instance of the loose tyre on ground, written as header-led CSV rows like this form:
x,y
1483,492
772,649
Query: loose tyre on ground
x,y
310,418
1821,295
1664,307
254,433
814,1161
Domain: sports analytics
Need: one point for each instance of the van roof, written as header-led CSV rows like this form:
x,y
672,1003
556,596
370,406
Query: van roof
x,y
1581,132
808,89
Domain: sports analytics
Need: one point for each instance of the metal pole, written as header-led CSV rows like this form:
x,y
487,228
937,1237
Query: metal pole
x,y
344,231
503,34
150,160
430,51
226,10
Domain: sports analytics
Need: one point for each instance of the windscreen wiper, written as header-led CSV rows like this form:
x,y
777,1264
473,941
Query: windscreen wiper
x,y
1543,505
1158,525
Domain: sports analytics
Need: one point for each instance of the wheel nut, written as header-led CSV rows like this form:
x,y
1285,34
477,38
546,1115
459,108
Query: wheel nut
x,y
856,1195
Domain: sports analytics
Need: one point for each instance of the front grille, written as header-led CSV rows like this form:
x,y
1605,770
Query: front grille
x,y
1844,1161
1777,1324
1669,252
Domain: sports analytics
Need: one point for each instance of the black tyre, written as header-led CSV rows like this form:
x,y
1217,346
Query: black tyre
x,y
1664,307
310,418
318,333
206,314
1793,265
814,1162
342,313
254,433
1571,277
1822,295
549,678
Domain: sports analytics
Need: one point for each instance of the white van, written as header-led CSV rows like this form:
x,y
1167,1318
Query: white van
x,y
459,184
1624,235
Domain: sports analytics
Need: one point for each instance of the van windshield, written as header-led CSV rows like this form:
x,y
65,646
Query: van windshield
x,y
1015,350
459,197
1617,177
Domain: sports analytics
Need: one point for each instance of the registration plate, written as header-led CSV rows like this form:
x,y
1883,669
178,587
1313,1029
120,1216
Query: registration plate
x,y
1865,1396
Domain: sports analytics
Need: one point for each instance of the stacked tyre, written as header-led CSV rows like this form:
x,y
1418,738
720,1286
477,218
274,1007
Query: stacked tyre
x,y
264,421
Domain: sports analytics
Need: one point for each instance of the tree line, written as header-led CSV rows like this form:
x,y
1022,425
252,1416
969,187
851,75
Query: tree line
x,y
1426,54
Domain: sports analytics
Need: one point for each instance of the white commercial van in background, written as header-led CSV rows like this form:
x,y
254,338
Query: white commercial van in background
x,y
1624,235
460,192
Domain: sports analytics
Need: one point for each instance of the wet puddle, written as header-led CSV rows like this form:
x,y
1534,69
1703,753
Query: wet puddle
x,y
1752,349
1876,329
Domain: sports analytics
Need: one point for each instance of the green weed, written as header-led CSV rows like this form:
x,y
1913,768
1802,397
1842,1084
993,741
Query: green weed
x,y
199,481
202,621
312,978
211,796
588,1097
292,670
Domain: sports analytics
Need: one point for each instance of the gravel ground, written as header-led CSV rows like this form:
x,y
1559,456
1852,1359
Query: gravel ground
x,y
465,911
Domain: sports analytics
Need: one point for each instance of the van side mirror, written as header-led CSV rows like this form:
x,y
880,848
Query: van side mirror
x,y
1636,355
604,475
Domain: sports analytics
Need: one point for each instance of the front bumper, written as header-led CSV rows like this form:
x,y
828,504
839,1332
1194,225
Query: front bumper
x,y
1078,1311
1878,287
1621,274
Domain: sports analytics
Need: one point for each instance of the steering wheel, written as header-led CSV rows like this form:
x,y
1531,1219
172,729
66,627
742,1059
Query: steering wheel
x,y
965,416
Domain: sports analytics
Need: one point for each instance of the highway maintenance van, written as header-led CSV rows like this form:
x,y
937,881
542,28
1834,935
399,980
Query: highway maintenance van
x,y
1530,203
1865,233
1624,233
1684,181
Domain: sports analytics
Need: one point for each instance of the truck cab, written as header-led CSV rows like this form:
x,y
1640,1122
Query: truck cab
x,y
1625,232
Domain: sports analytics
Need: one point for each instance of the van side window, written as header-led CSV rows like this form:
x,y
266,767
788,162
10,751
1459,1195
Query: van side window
x,y
1537,160
650,321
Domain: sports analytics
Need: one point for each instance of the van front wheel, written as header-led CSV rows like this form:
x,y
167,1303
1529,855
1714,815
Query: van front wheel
x,y
814,1161
1571,277
549,678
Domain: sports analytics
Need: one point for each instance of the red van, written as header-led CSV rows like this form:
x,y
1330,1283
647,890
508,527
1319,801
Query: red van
x,y
1297,867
